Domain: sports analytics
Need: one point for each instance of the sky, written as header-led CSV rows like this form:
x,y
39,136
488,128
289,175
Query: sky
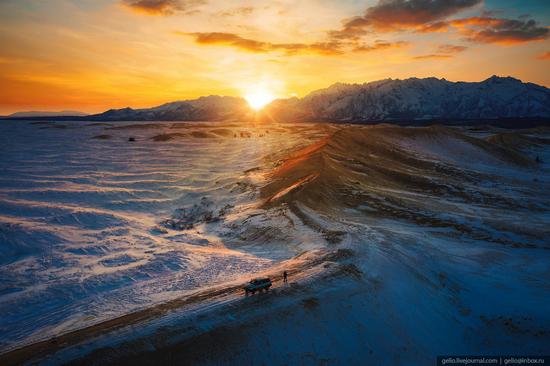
x,y
92,55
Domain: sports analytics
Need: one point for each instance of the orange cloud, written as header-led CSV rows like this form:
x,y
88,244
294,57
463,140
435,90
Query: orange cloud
x,y
449,48
243,10
380,45
441,26
251,45
544,56
443,52
161,7
432,57
476,22
230,39
326,48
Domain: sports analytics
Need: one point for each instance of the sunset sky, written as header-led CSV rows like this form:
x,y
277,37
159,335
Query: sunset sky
x,y
91,55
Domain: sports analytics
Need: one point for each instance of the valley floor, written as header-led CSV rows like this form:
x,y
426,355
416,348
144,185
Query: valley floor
x,y
402,244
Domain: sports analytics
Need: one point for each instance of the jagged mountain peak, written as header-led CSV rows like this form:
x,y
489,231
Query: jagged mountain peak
x,y
496,79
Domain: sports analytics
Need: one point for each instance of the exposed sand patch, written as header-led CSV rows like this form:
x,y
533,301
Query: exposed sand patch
x,y
99,124
102,137
140,126
167,136
202,135
223,132
54,125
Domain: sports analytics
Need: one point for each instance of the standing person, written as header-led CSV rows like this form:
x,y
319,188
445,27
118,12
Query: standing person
x,y
285,277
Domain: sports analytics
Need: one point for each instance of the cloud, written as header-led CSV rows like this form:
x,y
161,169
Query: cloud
x,y
544,56
353,29
161,7
393,15
380,45
432,57
441,26
326,48
243,10
449,48
427,16
251,45
444,52
500,30
230,39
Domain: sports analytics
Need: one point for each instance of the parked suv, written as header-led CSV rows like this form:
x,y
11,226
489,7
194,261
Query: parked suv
x,y
257,284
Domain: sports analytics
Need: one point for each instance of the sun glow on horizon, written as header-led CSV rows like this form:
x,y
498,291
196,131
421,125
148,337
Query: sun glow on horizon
x,y
258,97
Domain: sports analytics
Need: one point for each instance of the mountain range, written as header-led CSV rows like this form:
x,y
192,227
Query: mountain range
x,y
412,99
419,99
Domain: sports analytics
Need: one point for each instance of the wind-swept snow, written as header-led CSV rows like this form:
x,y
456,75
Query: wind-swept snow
x,y
95,228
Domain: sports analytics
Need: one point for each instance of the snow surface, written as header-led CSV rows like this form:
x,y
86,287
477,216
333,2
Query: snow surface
x,y
85,238
81,219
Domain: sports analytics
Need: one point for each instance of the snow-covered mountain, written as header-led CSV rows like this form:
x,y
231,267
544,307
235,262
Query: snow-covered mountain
x,y
210,108
383,100
417,99
25,114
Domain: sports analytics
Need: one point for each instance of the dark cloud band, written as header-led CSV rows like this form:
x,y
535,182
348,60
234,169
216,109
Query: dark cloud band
x,y
499,30
391,15
427,16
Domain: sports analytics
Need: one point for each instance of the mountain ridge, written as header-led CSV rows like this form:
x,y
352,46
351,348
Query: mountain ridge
x,y
64,113
393,100
427,99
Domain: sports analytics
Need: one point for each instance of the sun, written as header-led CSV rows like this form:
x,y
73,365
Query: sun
x,y
258,97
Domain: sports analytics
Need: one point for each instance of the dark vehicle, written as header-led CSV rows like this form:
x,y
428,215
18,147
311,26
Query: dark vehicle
x,y
258,284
